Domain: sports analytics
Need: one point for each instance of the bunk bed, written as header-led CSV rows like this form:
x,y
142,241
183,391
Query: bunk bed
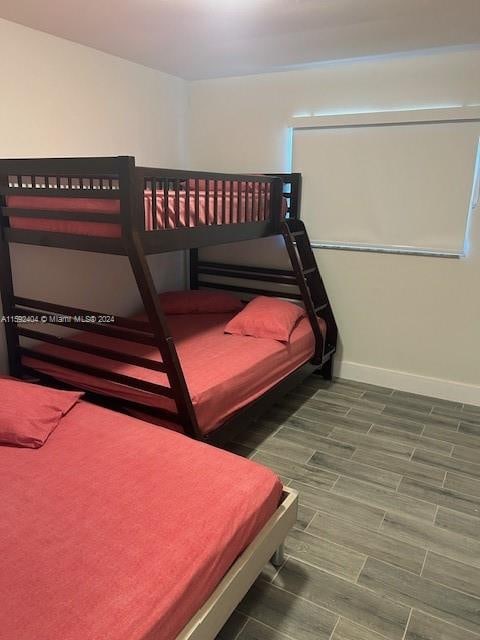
x,y
111,206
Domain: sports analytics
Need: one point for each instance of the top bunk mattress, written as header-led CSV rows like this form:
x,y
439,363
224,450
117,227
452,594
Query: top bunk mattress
x,y
223,372
209,208
118,530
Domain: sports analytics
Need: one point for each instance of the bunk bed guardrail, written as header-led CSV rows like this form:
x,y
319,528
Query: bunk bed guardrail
x,y
42,204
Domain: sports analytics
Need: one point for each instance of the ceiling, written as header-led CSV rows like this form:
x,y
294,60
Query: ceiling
x,y
198,39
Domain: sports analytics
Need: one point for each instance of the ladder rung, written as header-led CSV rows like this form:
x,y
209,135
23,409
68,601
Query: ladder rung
x,y
321,307
311,270
297,233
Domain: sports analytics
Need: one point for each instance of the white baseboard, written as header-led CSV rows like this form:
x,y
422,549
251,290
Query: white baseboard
x,y
403,381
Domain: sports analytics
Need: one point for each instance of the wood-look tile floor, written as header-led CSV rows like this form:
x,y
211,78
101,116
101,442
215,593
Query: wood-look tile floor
x,y
387,542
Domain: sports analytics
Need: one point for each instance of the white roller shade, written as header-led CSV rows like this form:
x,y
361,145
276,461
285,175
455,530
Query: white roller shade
x,y
388,185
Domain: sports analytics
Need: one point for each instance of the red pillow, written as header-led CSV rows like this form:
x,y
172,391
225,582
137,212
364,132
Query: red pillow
x,y
265,317
183,302
29,413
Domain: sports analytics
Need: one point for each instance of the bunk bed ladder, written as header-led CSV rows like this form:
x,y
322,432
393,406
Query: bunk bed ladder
x,y
313,291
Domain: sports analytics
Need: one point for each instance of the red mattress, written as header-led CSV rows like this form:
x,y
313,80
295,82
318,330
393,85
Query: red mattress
x,y
223,372
229,210
116,530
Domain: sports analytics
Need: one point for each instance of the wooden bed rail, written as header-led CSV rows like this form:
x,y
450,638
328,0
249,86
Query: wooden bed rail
x,y
26,312
240,272
224,198
61,177
129,323
101,352
45,313
292,192
300,283
191,208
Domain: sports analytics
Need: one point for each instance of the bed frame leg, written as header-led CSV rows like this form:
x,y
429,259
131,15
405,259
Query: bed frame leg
x,y
327,370
278,557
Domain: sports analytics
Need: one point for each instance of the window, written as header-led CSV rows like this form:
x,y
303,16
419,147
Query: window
x,y
399,182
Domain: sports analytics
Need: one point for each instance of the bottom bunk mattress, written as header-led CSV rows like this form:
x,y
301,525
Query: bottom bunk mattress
x,y
117,530
223,372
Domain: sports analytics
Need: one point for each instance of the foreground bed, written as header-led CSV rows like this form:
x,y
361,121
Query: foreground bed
x,y
117,530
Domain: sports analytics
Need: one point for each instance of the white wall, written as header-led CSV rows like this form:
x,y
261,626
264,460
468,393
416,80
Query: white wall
x,y
416,316
62,99
403,320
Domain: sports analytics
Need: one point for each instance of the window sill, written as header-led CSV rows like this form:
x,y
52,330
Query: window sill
x,y
397,250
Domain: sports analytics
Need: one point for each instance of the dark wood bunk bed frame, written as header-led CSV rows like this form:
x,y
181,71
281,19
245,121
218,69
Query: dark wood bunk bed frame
x,y
118,178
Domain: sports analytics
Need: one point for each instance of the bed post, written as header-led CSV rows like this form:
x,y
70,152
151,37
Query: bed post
x,y
292,192
7,293
295,199
327,370
193,269
278,557
131,210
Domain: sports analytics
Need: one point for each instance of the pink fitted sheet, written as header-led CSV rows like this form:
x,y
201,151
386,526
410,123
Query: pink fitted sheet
x,y
117,530
223,372
242,206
